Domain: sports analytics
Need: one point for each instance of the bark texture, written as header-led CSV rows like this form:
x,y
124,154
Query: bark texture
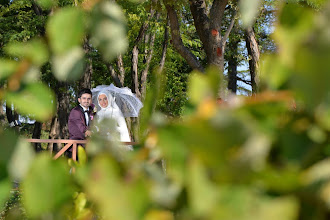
x,y
36,135
254,57
165,45
208,24
85,80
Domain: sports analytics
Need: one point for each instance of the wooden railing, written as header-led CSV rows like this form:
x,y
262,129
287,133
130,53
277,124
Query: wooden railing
x,y
68,144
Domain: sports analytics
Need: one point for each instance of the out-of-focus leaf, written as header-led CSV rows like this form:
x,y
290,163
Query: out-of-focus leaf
x,y
322,115
82,156
255,151
162,192
65,29
80,205
281,181
317,173
70,65
304,51
198,88
202,193
214,78
325,194
21,160
7,67
32,75
285,208
7,147
47,186
47,4
106,190
35,99
239,202
159,215
34,51
175,152
154,93
5,187
317,134
274,76
295,24
249,10
108,32
139,194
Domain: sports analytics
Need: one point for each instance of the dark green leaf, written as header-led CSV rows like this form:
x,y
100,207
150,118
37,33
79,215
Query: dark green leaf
x,y
34,99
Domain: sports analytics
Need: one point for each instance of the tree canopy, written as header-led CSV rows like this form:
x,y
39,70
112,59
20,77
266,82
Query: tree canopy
x,y
264,156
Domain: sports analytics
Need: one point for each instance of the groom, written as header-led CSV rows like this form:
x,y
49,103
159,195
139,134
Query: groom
x,y
80,117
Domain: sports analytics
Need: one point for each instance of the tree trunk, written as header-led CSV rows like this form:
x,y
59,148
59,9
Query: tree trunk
x,y
146,70
54,133
233,62
254,56
85,80
135,74
121,69
2,115
209,28
232,74
63,99
9,114
165,44
11,117
36,135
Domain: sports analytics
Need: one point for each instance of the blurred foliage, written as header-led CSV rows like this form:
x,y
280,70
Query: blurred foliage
x,y
260,157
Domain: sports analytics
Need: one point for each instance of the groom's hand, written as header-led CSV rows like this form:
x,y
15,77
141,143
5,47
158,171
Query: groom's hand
x,y
88,133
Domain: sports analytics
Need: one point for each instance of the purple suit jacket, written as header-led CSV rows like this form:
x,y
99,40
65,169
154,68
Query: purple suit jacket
x,y
77,124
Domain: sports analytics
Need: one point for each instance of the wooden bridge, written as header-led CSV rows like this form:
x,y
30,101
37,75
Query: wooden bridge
x,y
67,144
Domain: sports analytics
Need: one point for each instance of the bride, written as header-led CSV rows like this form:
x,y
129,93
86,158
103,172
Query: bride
x,y
110,110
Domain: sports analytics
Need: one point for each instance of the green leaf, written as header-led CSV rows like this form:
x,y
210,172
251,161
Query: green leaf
x,y
7,147
199,88
7,67
70,65
21,160
82,156
241,202
153,94
5,187
108,32
47,187
34,50
65,30
105,189
34,99
47,4
202,193
318,172
249,10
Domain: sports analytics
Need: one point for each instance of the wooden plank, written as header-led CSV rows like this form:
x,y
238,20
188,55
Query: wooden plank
x,y
62,150
74,152
60,141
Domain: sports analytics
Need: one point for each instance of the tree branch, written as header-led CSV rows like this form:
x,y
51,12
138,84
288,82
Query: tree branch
x,y
177,41
216,13
201,20
243,80
165,44
146,70
114,75
230,27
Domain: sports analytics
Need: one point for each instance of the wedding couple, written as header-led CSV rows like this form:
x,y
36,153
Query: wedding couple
x,y
104,107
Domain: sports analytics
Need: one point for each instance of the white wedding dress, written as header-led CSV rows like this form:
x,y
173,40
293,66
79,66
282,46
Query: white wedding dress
x,y
113,112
